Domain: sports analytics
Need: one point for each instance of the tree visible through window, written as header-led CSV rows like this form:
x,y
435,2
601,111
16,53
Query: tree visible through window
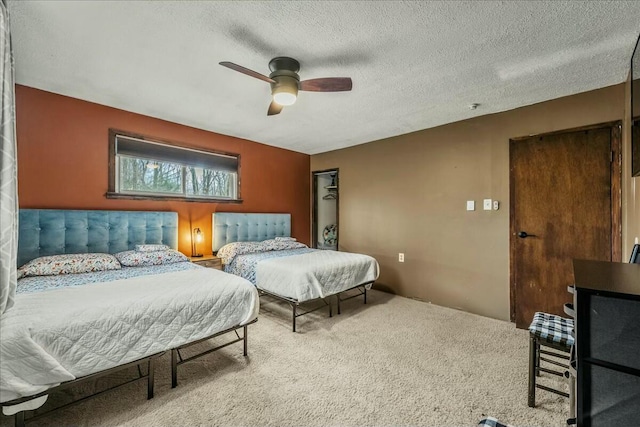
x,y
207,182
157,169
146,175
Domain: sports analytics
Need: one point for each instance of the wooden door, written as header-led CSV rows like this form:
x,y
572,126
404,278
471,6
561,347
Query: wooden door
x,y
565,205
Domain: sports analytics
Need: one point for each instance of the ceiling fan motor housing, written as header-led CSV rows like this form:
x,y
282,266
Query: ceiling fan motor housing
x,y
284,63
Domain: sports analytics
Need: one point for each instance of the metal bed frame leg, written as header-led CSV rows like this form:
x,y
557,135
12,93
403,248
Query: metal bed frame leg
x,y
365,294
338,302
150,377
245,340
174,368
330,308
294,306
19,419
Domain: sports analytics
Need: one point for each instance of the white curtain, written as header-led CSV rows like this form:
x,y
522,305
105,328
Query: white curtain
x,y
8,169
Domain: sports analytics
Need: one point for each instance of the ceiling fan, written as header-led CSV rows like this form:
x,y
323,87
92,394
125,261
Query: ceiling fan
x,y
285,82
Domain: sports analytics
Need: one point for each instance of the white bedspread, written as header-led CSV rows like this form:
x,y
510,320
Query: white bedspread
x,y
54,336
317,274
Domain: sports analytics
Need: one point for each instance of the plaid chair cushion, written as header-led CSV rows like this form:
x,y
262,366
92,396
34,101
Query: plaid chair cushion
x,y
491,422
552,328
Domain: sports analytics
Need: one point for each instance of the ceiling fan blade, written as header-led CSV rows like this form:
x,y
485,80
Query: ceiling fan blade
x,y
248,72
274,108
328,84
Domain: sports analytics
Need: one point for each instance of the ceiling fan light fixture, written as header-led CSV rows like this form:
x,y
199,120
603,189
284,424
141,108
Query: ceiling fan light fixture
x,y
285,91
284,98
285,95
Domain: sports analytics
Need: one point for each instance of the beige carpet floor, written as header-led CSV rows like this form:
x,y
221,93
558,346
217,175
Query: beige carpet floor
x,y
394,361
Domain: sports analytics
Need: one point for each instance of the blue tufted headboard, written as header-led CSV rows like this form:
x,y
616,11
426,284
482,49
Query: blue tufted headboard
x,y
44,232
243,227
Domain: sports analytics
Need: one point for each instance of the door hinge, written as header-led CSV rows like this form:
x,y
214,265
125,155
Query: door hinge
x,y
611,156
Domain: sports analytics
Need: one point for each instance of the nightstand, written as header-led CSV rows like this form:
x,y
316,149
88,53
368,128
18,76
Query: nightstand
x,y
209,261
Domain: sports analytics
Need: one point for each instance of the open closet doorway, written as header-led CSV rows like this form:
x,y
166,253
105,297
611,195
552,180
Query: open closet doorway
x,y
325,209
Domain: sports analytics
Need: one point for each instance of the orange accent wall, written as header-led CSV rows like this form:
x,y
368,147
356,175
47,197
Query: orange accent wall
x,y
63,164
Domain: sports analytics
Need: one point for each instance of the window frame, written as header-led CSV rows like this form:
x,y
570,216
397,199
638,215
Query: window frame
x,y
113,193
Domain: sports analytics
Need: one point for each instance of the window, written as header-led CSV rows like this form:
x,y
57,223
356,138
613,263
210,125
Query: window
x,y
144,168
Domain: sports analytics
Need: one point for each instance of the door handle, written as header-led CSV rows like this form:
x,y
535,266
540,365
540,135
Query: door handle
x,y
524,235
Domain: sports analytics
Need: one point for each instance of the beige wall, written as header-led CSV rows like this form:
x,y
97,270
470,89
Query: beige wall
x,y
408,194
630,186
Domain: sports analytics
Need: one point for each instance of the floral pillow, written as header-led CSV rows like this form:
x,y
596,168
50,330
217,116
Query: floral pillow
x,y
287,239
151,248
280,245
143,259
68,264
229,251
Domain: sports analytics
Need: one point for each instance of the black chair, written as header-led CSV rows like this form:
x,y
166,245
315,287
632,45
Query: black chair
x,y
555,333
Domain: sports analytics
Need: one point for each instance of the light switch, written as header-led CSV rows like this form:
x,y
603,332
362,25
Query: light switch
x,y
486,205
471,205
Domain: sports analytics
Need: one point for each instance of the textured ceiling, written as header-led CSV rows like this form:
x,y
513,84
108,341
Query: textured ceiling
x,y
414,65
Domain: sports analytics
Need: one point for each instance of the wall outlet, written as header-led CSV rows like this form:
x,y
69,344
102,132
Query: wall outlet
x,y
471,205
400,257
486,205
496,205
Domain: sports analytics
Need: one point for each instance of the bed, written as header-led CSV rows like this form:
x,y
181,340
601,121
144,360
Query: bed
x,y
259,248
119,317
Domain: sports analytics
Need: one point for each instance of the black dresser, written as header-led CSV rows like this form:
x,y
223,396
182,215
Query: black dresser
x,y
607,328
